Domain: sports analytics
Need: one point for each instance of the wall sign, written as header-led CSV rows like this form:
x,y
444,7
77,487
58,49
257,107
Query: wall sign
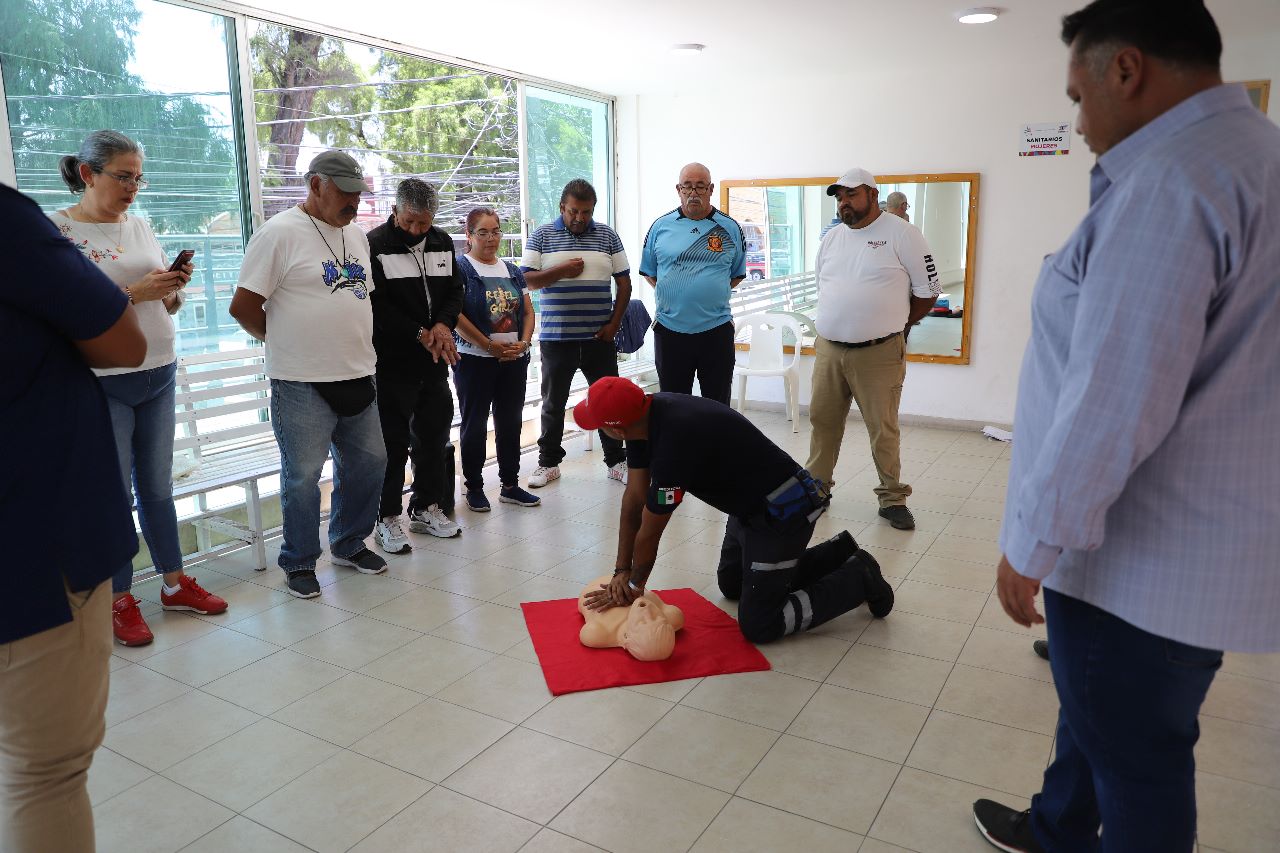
x,y
1045,138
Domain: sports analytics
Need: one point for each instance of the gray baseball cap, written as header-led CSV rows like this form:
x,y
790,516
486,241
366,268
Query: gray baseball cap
x,y
341,168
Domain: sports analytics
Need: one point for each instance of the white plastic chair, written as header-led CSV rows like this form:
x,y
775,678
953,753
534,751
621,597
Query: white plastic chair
x,y
766,358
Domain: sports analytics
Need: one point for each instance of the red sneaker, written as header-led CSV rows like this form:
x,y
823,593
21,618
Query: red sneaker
x,y
127,623
191,596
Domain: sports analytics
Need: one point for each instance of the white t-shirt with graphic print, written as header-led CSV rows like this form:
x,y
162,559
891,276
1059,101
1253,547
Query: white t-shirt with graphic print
x,y
866,277
503,303
125,252
315,278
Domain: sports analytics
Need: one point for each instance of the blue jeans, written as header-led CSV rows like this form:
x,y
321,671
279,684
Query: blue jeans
x,y
1126,731
485,384
142,419
307,430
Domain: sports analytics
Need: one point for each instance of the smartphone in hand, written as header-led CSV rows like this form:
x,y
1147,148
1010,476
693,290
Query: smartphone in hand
x,y
184,258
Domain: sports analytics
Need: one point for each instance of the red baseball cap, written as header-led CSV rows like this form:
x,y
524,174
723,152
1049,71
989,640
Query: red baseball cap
x,y
611,402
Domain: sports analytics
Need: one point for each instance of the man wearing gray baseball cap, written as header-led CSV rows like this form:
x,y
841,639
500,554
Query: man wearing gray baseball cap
x,y
304,290
876,279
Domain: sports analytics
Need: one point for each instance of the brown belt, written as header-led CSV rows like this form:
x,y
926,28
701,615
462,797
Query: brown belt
x,y
861,344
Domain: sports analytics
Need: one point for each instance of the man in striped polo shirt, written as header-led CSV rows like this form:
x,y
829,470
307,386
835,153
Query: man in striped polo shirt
x,y
694,256
569,262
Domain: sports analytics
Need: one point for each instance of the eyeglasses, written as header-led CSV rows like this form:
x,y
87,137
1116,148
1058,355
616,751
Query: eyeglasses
x,y
136,182
690,189
485,233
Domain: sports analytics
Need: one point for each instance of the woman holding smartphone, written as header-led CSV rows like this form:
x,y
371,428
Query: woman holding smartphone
x,y
107,175
494,331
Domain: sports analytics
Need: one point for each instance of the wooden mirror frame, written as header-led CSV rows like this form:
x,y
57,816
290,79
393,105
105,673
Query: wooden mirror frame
x,y
1262,87
971,245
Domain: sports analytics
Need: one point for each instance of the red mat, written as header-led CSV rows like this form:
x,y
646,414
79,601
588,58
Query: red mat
x,y
708,644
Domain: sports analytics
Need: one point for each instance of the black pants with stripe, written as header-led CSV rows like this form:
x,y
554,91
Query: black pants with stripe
x,y
782,585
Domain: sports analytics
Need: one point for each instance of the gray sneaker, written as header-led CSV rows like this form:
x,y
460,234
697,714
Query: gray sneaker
x,y
432,520
364,561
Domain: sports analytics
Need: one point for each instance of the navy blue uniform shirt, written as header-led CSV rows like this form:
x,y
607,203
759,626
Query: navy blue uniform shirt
x,y
58,467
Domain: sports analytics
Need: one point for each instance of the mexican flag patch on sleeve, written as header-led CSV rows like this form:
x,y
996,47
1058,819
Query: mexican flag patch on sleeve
x,y
670,496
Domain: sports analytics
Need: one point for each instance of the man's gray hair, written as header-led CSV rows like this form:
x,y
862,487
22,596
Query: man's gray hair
x,y
896,199
417,195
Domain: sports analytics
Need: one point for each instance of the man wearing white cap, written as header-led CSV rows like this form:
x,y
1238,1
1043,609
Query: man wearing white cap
x,y
876,279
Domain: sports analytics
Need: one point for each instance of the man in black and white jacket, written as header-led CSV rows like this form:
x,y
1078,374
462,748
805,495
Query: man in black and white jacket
x,y
416,301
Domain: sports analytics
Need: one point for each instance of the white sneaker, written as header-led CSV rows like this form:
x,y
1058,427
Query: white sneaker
x,y
543,475
433,520
390,536
618,472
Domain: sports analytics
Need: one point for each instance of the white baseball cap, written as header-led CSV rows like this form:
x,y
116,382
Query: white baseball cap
x,y
853,179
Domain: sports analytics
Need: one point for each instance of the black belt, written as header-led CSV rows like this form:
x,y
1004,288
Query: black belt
x,y
861,344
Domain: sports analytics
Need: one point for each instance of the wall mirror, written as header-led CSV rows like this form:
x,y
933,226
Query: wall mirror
x,y
783,221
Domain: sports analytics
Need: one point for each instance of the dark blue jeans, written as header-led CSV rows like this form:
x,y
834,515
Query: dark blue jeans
x,y
484,385
1126,731
308,430
142,418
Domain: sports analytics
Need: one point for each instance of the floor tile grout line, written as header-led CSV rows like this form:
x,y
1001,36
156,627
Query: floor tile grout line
x,y
916,740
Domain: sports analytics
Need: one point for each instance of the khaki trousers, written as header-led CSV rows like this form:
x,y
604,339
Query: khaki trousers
x,y
53,701
872,377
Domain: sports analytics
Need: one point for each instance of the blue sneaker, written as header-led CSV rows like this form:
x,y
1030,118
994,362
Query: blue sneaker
x,y
517,495
476,501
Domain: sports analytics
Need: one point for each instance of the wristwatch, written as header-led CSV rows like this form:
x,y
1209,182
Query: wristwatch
x,y
421,332
632,585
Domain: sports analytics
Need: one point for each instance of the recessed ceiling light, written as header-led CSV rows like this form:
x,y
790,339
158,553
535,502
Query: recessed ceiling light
x,y
980,15
690,49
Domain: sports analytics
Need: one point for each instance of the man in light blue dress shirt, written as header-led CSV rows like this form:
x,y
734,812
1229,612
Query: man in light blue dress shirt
x,y
1145,484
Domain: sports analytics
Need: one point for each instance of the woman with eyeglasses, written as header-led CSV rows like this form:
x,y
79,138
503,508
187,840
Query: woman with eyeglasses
x,y
107,175
494,331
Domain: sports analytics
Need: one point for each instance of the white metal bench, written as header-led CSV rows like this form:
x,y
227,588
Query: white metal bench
x,y
223,412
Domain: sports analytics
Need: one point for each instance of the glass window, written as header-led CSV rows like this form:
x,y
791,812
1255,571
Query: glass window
x,y
566,137
164,76
400,116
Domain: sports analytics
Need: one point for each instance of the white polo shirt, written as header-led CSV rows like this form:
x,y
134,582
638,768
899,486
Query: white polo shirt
x,y
866,277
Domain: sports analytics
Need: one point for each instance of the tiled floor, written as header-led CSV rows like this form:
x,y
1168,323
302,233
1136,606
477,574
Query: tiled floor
x,y
406,712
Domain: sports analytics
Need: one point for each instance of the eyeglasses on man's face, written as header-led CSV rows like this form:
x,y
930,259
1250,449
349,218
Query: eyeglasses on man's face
x,y
691,189
133,182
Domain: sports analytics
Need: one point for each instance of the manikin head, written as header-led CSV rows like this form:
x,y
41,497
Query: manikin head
x,y
647,635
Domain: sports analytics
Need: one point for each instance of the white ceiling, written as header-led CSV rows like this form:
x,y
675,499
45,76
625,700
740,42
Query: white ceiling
x,y
620,47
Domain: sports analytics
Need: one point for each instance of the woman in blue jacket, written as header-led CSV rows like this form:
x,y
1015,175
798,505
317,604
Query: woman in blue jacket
x,y
494,331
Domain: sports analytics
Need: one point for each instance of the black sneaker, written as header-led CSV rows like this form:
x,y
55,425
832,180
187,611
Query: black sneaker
x,y
1005,828
476,501
518,496
1041,648
303,583
364,561
879,591
899,517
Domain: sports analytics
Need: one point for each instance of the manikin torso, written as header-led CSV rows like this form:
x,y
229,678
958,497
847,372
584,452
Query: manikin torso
x,y
646,629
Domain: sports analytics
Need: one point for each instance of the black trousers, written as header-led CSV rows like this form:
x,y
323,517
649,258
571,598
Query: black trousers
x,y
560,360
485,385
782,585
415,411
709,354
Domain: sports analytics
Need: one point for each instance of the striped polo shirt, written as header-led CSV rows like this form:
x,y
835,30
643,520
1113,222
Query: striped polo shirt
x,y
574,309
694,261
